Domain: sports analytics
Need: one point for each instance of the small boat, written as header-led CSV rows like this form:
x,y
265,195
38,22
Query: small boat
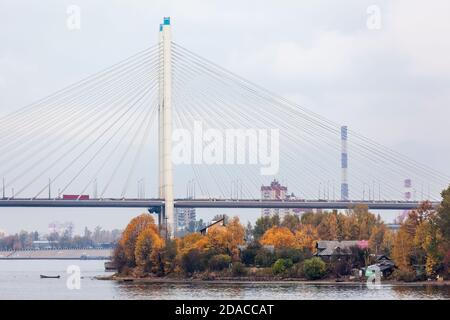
x,y
49,277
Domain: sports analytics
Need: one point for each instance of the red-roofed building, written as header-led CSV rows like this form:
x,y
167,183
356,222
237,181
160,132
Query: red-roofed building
x,y
276,191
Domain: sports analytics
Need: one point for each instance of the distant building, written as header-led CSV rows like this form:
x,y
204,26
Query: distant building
x,y
44,244
60,228
184,216
277,192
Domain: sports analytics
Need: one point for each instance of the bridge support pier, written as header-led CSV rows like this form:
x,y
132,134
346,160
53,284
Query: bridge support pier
x,y
161,216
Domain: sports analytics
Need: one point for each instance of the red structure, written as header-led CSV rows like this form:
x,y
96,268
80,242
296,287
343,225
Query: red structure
x,y
274,191
75,197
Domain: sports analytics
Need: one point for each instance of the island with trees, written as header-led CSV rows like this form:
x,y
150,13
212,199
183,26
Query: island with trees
x,y
318,246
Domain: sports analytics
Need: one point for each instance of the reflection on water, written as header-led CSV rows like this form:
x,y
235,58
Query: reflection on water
x,y
20,280
288,291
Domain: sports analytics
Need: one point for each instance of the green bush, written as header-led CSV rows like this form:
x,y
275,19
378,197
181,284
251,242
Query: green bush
x,y
238,269
264,258
193,261
314,268
296,271
281,265
219,262
296,255
248,255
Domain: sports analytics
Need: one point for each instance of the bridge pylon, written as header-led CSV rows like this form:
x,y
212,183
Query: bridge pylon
x,y
165,125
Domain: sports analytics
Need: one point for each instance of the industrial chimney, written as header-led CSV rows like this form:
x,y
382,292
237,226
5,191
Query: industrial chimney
x,y
344,164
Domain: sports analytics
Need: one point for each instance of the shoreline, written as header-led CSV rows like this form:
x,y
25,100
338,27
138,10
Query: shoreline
x,y
151,280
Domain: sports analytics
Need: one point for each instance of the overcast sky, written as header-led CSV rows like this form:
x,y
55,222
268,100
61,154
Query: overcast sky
x,y
389,81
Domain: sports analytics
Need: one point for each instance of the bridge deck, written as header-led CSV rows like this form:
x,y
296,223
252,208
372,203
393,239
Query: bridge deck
x,y
211,203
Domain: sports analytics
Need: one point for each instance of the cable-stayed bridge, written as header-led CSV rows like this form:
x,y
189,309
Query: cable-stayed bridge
x,y
127,124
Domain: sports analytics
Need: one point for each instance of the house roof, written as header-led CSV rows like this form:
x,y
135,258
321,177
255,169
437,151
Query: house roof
x,y
328,248
204,230
382,257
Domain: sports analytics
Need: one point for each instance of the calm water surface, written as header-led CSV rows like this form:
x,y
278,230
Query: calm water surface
x,y
19,279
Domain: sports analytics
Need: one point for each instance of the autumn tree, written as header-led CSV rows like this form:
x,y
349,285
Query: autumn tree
x,y
148,250
328,228
443,222
443,217
313,218
306,237
219,240
420,240
263,224
388,242
169,254
291,221
376,240
191,241
131,234
403,248
280,237
428,239
226,237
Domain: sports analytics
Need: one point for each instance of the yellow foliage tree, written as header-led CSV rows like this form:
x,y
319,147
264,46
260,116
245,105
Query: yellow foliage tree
x,y
402,249
429,239
388,242
329,227
226,237
280,237
377,237
192,241
306,237
148,247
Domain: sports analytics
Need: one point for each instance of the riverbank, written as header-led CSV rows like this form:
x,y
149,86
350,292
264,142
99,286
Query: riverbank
x,y
167,280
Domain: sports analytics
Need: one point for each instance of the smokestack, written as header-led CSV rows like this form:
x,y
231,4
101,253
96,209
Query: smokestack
x,y
344,164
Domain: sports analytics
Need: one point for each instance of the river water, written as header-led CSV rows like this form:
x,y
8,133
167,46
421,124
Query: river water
x,y
20,279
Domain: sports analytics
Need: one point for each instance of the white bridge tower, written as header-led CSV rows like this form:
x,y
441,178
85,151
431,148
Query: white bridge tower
x,y
165,124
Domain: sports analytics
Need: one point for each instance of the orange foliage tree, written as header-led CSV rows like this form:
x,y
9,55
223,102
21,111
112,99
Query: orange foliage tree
x,y
131,234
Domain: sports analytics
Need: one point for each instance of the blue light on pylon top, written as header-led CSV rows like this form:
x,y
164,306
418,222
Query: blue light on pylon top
x,y
166,21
